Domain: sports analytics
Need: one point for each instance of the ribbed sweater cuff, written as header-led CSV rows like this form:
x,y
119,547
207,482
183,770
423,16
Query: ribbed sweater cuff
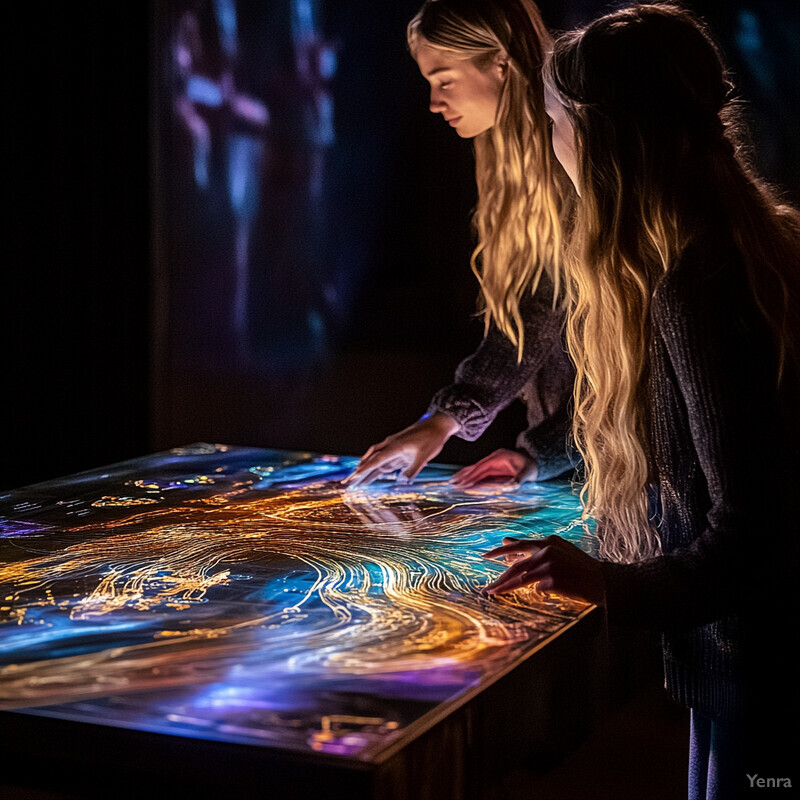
x,y
710,694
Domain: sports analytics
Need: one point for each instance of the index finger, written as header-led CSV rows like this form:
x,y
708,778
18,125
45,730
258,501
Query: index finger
x,y
370,463
515,548
364,477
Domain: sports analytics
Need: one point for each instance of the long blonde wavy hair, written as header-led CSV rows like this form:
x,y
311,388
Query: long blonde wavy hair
x,y
660,152
523,194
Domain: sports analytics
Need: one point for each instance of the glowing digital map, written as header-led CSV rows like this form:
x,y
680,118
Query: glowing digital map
x,y
245,595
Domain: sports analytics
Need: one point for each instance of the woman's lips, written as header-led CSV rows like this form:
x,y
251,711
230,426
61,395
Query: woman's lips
x,y
454,121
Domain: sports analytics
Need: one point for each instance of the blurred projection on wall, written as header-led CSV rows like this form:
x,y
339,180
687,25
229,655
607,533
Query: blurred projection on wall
x,y
252,279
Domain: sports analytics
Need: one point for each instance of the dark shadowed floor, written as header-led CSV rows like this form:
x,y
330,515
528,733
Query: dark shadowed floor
x,y
639,753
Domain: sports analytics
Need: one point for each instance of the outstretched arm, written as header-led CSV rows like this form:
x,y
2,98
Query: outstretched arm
x,y
485,383
409,450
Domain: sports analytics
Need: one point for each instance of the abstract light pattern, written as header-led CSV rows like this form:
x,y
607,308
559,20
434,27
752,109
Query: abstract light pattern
x,y
245,595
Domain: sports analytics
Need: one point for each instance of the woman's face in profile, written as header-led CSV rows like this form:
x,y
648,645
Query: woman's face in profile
x,y
563,136
463,94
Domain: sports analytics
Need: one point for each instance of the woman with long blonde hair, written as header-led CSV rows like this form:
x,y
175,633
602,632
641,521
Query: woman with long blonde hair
x,y
683,283
483,61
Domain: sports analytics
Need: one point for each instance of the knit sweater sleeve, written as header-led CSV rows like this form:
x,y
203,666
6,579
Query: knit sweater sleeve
x,y
488,380
551,446
717,367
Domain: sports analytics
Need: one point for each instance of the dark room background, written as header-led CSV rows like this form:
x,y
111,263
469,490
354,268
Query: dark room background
x,y
237,222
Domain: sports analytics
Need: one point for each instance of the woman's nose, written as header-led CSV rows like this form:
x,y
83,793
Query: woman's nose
x,y
437,104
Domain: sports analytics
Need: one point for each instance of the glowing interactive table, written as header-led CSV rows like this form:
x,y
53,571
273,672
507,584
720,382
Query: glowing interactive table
x,y
235,619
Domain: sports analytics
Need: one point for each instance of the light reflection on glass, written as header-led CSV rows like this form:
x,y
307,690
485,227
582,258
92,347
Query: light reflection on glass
x,y
244,595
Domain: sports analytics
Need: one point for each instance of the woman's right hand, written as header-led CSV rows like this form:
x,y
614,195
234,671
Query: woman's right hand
x,y
409,450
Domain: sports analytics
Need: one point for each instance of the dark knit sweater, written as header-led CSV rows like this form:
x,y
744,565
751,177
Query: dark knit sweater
x,y
487,381
725,468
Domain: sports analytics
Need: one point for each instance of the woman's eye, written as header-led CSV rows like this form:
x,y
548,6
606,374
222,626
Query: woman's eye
x,y
445,85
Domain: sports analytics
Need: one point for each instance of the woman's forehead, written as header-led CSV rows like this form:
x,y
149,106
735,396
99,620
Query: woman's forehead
x,y
432,58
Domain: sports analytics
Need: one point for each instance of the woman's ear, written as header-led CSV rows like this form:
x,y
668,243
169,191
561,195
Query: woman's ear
x,y
500,63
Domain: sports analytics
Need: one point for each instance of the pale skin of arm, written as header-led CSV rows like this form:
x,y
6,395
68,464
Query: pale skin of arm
x,y
412,448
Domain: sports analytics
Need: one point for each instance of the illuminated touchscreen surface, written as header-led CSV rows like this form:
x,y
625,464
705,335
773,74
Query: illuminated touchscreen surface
x,y
245,595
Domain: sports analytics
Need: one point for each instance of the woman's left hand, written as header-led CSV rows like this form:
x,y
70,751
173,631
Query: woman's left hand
x,y
501,465
553,563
